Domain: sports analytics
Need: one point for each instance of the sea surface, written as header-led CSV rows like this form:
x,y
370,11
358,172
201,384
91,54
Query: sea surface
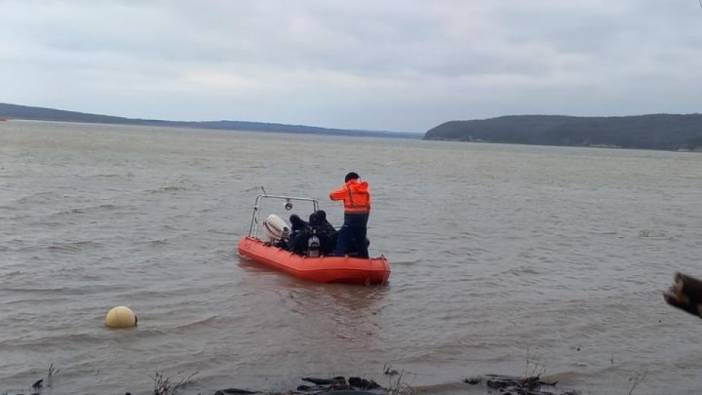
x,y
505,259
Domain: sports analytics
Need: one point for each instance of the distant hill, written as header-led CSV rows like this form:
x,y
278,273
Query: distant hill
x,y
655,131
14,111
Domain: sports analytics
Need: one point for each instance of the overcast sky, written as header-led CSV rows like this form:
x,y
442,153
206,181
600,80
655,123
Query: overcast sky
x,y
385,65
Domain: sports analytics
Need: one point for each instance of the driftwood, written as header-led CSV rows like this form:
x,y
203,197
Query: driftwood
x,y
519,385
685,294
339,385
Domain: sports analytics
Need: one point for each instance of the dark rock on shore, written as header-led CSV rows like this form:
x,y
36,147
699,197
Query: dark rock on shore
x,y
323,386
234,391
522,385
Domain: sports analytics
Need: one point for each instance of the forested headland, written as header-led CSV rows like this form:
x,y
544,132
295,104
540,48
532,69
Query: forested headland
x,y
14,111
654,131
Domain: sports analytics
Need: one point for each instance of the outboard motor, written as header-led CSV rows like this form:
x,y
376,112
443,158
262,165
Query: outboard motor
x,y
274,228
313,245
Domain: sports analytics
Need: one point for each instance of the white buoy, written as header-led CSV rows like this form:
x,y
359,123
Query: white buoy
x,y
120,317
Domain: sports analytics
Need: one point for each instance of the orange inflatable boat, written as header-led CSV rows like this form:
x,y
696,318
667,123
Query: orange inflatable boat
x,y
329,269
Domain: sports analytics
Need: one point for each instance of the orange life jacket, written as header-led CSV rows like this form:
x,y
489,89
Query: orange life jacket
x,y
356,197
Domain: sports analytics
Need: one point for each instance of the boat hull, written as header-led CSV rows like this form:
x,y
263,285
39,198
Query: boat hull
x,y
323,269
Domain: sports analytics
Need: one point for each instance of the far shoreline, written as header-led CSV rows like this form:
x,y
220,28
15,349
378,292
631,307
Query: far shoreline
x,y
383,135
595,146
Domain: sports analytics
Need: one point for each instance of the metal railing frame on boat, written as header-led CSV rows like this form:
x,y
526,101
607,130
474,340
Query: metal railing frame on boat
x,y
253,228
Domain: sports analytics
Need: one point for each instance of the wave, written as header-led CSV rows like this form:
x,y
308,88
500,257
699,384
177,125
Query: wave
x,y
60,341
206,322
520,270
13,273
221,232
48,299
70,211
180,184
410,262
75,246
85,210
171,188
108,207
39,290
654,234
110,175
38,197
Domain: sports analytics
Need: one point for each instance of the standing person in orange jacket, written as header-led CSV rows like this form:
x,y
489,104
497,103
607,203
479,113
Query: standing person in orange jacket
x,y
357,204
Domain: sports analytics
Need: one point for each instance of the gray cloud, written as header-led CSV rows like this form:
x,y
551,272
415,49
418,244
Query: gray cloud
x,y
399,65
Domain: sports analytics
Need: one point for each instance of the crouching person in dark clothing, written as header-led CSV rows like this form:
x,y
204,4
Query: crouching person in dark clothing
x,y
324,231
299,235
355,194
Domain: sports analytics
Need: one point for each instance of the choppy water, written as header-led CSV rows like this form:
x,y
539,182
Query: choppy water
x,y
500,255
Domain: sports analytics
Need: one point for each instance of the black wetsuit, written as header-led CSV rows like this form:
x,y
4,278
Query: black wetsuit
x,y
324,231
299,235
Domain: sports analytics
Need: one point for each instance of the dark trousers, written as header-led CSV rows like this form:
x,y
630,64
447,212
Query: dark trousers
x,y
352,236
